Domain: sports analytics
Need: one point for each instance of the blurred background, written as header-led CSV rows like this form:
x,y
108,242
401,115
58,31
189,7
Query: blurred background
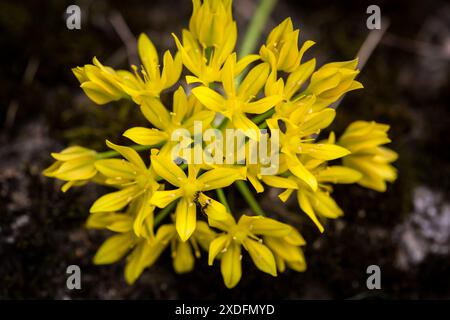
x,y
406,230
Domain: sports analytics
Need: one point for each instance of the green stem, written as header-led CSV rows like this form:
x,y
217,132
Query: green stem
x,y
223,198
263,125
163,213
263,116
113,153
248,196
256,26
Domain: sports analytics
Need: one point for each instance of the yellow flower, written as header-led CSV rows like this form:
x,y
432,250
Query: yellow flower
x,y
331,81
210,40
103,84
287,251
118,245
294,82
238,101
185,112
189,188
183,258
291,96
260,165
153,80
206,63
74,164
211,22
282,43
365,140
147,252
136,183
297,139
244,233
143,251
316,202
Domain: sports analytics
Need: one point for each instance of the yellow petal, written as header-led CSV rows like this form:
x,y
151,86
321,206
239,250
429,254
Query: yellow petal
x,y
113,249
295,238
129,154
324,151
228,75
305,205
165,233
261,256
284,196
97,93
326,206
78,169
117,169
283,249
188,59
183,259
192,79
338,174
146,253
80,74
161,199
244,62
185,218
168,170
99,220
115,201
205,116
73,183
299,170
281,265
230,265
148,53
51,170
136,263
204,235
261,105
145,136
209,98
299,266
248,127
221,177
172,70
387,154
214,210
279,182
255,183
254,81
297,78
180,105
120,223
318,121
72,153
144,216
155,112
217,246
265,226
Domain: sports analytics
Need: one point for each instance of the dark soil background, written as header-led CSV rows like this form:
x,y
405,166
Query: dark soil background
x,y
406,230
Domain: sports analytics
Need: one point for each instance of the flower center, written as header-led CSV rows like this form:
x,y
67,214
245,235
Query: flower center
x,y
239,233
234,106
190,188
144,181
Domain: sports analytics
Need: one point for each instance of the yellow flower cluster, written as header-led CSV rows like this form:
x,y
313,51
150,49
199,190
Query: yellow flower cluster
x,y
160,202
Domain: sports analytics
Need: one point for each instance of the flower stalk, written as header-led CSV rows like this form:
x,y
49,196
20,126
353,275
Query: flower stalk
x,y
248,196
